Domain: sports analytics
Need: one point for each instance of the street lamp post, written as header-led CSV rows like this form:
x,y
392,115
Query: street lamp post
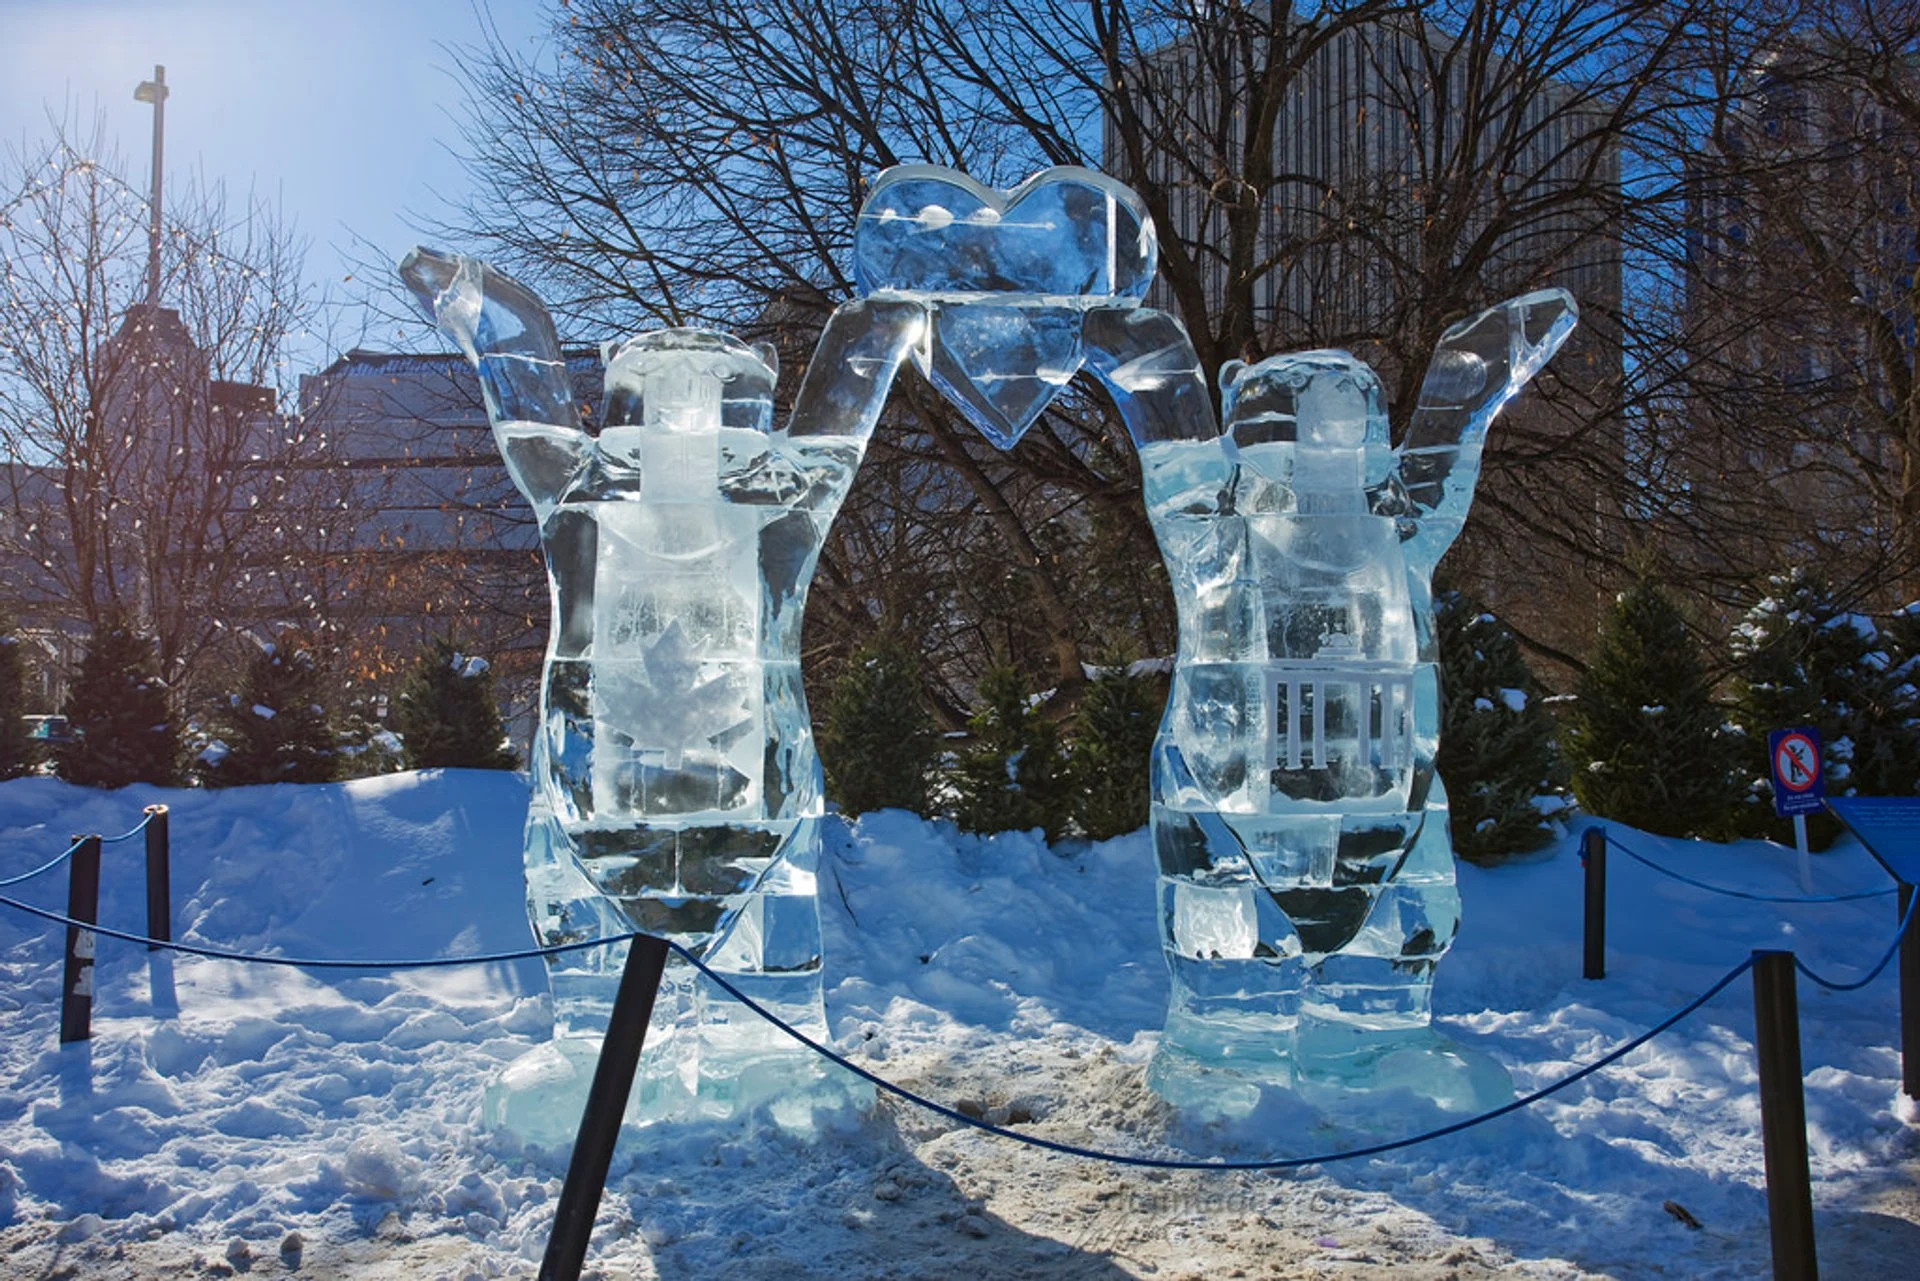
x,y
155,92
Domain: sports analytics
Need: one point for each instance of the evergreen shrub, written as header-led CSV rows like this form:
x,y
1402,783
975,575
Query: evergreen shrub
x,y
1011,776
19,753
1803,658
365,747
276,729
1644,740
1113,733
117,709
1498,756
878,743
446,714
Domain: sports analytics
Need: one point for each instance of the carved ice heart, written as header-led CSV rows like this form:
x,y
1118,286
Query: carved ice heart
x,y
1009,276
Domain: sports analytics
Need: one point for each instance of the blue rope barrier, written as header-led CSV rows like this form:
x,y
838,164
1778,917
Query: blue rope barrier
x,y
900,1091
321,963
1162,1163
67,853
1906,919
47,866
1723,890
130,833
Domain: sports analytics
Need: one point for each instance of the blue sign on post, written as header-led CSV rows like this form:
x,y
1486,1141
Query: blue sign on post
x,y
1799,782
1889,826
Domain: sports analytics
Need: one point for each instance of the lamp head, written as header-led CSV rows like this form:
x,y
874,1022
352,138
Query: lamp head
x,y
154,90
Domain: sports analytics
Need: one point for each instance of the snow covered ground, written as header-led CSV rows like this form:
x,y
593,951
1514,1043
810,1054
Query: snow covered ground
x,y
327,1124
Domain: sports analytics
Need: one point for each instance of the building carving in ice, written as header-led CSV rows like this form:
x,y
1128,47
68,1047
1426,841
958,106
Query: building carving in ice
x,y
1305,876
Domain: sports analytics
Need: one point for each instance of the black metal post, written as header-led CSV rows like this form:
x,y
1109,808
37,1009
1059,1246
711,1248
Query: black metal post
x,y
160,912
1593,858
1783,1116
1909,1000
159,877
83,904
606,1104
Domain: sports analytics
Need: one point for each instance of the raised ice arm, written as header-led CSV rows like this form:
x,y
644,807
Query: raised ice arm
x,y
1147,362
505,330
1478,365
854,365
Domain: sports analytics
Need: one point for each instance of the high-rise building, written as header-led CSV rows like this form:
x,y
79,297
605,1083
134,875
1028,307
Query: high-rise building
x,y
1800,263
140,497
434,540
1407,183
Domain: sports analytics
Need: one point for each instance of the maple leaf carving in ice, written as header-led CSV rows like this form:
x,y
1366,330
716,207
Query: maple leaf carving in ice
x,y
680,710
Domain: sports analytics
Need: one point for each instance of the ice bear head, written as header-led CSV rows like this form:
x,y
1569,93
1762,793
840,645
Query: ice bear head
x,y
1316,399
689,380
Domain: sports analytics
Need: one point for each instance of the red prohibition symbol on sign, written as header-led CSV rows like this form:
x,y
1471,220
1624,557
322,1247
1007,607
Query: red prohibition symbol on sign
x,y
1796,762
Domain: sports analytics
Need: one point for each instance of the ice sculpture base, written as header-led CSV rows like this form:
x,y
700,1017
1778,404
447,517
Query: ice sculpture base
x,y
1342,1067
692,1075
539,1097
1209,1090
1338,1069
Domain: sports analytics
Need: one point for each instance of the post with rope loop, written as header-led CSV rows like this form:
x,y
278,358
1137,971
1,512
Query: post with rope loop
x,y
1909,999
1783,1116
1593,859
606,1104
159,878
83,904
160,912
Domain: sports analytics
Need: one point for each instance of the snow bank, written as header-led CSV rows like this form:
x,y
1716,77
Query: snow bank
x,y
332,1119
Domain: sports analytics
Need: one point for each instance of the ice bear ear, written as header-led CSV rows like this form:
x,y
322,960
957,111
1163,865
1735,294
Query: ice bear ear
x,y
770,354
607,349
1230,373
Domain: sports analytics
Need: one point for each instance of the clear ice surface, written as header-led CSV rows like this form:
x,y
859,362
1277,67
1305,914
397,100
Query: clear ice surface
x,y
1305,873
675,785
1305,877
1006,278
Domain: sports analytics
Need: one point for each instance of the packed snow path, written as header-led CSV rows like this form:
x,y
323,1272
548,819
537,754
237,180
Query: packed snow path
x,y
328,1124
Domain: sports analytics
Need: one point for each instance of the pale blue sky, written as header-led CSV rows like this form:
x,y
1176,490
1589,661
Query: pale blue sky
x,y
341,110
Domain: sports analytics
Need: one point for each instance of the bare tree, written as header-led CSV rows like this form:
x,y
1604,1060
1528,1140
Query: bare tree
x,y
148,472
1360,178
1802,286
435,541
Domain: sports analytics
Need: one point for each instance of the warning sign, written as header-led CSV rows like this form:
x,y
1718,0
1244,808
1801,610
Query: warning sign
x,y
1799,782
